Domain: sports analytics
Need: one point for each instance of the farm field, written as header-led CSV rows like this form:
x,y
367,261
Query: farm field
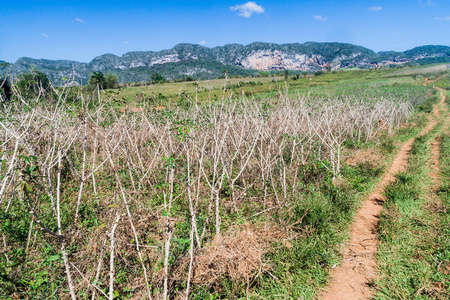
x,y
213,90
240,188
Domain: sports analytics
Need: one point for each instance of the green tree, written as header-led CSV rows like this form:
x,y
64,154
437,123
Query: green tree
x,y
33,84
157,78
111,80
286,74
189,78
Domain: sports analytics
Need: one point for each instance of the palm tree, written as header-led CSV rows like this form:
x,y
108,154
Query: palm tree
x,y
97,79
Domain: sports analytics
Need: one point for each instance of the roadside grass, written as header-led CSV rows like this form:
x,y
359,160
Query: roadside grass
x,y
414,254
444,190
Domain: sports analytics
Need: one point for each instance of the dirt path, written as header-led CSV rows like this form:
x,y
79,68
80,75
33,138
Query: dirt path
x,y
351,280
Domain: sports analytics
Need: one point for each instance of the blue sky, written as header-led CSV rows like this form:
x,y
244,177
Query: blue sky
x,y
81,30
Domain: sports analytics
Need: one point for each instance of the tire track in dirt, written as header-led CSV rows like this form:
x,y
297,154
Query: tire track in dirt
x,y
352,279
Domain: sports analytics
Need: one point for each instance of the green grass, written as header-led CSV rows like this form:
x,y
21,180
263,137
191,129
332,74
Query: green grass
x,y
443,81
414,233
428,70
333,83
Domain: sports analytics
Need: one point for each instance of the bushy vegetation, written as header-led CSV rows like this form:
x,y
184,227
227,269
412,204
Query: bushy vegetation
x,y
244,196
33,84
157,78
99,80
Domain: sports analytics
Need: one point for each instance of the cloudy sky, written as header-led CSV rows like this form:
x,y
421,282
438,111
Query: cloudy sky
x,y
81,30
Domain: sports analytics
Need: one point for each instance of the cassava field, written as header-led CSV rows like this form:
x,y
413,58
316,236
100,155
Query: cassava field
x,y
227,189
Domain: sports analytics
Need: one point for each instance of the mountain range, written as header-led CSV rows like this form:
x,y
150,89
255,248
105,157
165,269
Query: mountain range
x,y
207,63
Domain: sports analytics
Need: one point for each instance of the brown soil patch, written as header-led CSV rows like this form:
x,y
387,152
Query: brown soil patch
x,y
361,156
351,280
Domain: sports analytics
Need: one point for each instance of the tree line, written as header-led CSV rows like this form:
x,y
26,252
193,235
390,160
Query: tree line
x,y
37,84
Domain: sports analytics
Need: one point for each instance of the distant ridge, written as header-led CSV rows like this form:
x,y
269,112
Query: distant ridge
x,y
208,63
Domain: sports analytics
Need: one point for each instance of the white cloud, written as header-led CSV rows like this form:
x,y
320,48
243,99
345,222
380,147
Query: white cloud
x,y
80,20
320,18
447,18
375,8
247,9
125,42
45,35
202,43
